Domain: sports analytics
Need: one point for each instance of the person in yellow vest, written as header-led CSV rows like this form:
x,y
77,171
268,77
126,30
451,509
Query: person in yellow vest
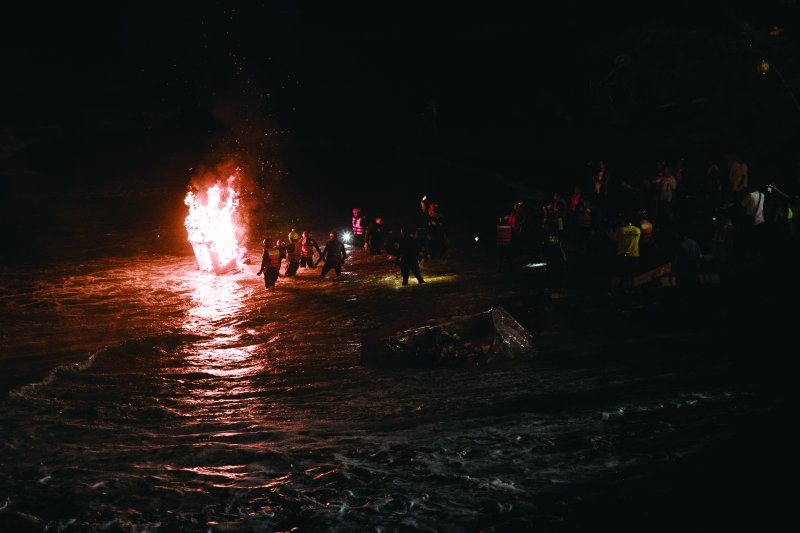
x,y
270,263
627,237
553,253
292,253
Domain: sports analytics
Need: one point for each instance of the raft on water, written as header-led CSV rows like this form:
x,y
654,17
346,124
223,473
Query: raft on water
x,y
482,337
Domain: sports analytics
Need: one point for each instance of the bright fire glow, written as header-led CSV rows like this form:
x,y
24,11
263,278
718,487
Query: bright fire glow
x,y
213,226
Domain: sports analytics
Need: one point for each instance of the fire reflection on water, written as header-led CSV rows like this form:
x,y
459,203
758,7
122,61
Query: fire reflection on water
x,y
220,363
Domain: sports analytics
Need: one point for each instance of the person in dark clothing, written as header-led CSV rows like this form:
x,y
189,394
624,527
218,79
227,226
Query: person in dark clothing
x,y
307,246
687,263
334,255
408,254
553,252
376,237
270,263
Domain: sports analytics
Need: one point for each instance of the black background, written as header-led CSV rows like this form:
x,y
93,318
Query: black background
x,y
332,105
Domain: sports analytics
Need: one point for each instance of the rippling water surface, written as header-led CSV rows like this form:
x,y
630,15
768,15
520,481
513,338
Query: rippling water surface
x,y
144,395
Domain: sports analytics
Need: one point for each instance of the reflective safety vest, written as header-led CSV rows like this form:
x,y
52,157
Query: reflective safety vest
x,y
292,252
647,231
358,228
274,257
503,235
628,241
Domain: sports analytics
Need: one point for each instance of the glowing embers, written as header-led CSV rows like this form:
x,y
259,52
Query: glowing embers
x,y
214,228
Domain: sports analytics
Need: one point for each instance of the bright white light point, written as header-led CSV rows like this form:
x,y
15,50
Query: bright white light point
x,y
535,265
346,237
477,239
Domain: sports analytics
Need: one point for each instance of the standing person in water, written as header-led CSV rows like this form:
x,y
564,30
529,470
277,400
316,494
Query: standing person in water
x,y
359,226
292,253
270,263
409,253
307,246
333,254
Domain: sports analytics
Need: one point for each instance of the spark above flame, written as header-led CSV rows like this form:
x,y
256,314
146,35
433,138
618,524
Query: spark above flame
x,y
213,226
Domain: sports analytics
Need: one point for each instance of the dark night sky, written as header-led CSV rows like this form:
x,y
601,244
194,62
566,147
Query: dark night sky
x,y
356,98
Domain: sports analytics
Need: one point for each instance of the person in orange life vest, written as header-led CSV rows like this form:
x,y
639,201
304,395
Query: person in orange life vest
x,y
333,254
646,243
292,253
575,201
505,246
558,207
516,218
307,246
627,260
359,226
270,263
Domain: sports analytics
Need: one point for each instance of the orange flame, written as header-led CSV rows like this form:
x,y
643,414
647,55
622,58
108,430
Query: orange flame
x,y
213,226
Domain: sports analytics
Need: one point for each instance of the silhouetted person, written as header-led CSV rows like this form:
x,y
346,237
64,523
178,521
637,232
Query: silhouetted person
x,y
408,254
334,255
553,252
376,237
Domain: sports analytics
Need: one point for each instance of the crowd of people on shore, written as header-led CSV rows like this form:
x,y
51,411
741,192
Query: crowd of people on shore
x,y
685,225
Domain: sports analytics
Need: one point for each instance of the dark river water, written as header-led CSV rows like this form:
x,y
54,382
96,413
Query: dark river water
x,y
140,394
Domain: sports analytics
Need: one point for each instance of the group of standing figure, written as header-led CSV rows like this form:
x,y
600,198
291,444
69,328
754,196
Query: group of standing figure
x,y
698,220
406,248
298,252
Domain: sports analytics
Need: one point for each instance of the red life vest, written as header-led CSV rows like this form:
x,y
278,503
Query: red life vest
x,y
503,235
292,252
274,256
647,231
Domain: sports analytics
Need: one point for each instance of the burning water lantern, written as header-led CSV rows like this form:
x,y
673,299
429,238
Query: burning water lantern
x,y
213,226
